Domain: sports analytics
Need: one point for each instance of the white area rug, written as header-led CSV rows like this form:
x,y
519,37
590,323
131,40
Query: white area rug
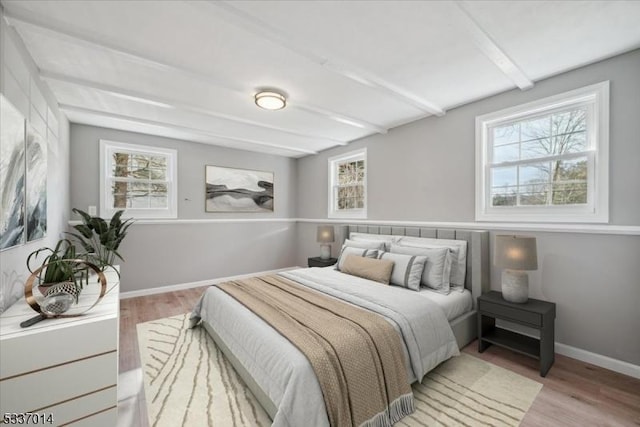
x,y
188,382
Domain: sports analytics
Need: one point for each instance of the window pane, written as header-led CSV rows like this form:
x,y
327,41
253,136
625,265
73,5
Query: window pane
x,y
536,148
159,161
119,192
139,195
536,128
535,173
568,170
504,196
534,194
569,121
350,197
570,182
120,171
534,183
505,176
158,202
570,143
120,164
569,193
506,134
157,173
506,153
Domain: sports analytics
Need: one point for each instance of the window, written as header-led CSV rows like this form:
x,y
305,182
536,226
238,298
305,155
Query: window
x,y
546,161
348,185
140,179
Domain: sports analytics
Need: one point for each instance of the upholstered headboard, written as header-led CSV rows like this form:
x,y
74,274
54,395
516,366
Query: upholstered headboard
x,y
477,278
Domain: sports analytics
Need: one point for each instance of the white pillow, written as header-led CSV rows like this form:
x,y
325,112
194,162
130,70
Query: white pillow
x,y
437,269
458,250
387,239
363,252
407,269
365,244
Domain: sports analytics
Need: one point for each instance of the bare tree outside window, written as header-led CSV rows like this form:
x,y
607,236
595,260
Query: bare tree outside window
x,y
541,160
139,181
350,185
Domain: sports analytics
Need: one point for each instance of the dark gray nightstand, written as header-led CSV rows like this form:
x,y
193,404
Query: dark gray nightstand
x,y
319,262
534,313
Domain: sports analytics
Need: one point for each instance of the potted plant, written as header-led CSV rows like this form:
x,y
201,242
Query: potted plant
x,y
101,239
60,270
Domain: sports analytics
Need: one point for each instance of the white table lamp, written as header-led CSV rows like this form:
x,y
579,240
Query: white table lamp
x,y
515,255
326,237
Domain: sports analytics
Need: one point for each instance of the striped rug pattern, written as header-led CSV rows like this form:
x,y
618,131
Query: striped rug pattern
x,y
188,382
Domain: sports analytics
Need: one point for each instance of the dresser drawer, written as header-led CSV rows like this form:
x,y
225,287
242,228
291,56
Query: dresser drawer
x,y
55,385
508,313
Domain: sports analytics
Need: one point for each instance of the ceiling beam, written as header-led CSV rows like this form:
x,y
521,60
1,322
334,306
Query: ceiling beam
x,y
261,28
492,50
13,15
73,108
171,103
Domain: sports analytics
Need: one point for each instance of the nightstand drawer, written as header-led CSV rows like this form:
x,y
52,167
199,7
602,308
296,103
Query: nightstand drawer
x,y
509,313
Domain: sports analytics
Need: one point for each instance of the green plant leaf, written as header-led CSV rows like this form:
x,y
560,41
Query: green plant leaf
x,y
115,219
86,218
84,230
99,225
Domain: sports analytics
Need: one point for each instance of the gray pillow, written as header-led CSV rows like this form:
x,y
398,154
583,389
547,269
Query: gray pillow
x,y
407,269
364,244
387,239
437,269
458,250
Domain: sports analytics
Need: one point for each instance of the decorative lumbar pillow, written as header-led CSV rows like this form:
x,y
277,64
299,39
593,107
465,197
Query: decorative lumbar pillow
x,y
378,270
458,250
387,239
407,269
437,269
361,252
365,244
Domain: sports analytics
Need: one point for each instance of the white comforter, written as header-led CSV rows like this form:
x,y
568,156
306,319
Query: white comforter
x,y
286,375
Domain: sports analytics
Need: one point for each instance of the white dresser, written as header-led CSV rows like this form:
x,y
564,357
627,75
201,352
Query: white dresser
x,y
66,368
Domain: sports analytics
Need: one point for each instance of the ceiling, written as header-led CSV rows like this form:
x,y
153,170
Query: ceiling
x,y
189,70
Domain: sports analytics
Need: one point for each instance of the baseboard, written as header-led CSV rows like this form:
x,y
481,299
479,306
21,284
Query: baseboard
x,y
596,359
606,362
189,285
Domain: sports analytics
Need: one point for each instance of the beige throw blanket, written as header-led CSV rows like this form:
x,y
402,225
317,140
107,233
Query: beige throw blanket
x,y
356,354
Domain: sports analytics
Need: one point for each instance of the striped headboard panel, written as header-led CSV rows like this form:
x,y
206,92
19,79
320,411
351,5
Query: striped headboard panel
x,y
478,268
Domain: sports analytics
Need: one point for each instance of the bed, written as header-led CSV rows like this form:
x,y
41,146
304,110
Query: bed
x,y
280,376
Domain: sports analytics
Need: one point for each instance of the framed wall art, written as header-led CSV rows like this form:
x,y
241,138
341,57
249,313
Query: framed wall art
x,y
238,190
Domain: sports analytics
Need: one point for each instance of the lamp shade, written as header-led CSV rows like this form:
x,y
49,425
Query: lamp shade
x,y
515,253
325,234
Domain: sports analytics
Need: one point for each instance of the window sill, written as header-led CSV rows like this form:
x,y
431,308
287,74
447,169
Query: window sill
x,y
516,217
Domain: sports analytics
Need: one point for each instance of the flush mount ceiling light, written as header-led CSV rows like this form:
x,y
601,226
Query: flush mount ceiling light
x,y
270,100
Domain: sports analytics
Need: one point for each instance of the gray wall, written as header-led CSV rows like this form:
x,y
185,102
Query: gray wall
x,y
175,253
192,158
20,83
425,171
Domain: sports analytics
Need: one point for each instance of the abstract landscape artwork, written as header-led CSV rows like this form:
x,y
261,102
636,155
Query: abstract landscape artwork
x,y
238,190
36,194
12,176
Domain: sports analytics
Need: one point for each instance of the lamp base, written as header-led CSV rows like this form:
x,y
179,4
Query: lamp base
x,y
325,251
515,286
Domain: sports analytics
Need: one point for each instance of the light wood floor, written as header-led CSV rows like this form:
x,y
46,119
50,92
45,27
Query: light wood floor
x,y
574,393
